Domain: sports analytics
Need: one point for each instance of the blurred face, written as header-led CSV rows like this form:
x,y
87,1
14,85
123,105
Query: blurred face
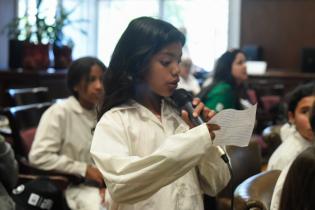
x,y
239,68
90,91
300,117
185,67
164,71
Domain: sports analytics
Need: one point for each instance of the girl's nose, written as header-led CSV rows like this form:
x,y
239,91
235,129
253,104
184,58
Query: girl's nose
x,y
175,69
98,85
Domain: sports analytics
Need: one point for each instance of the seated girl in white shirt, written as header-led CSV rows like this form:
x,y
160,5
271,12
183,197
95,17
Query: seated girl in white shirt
x,y
64,134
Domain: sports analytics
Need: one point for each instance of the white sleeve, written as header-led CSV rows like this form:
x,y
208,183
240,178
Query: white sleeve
x,y
130,179
275,201
45,150
213,172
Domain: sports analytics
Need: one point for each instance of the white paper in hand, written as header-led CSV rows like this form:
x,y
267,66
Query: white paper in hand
x,y
236,126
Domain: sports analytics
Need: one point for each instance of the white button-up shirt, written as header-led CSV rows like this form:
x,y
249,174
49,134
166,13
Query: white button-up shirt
x,y
276,195
63,138
291,147
152,164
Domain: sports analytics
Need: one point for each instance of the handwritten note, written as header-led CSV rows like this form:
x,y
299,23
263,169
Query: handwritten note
x,y
236,126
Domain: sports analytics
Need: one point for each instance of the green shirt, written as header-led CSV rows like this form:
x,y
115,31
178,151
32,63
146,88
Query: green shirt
x,y
221,96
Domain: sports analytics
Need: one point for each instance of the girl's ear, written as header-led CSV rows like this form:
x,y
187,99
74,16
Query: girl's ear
x,y
291,118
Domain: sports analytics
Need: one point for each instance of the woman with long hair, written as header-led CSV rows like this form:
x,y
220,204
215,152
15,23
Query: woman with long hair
x,y
227,88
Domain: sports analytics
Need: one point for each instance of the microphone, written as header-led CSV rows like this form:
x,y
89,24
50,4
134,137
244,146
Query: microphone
x,y
183,100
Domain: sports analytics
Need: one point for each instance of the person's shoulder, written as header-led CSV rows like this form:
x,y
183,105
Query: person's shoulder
x,y
221,88
120,110
58,105
126,107
60,108
4,147
282,155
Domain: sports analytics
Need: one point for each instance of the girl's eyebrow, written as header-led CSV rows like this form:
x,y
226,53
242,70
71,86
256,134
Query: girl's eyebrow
x,y
173,55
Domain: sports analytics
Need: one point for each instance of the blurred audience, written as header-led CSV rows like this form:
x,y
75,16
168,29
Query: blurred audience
x,y
299,187
187,80
227,89
64,134
300,179
8,175
299,134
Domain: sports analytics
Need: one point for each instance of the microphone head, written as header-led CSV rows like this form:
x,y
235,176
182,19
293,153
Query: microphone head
x,y
181,97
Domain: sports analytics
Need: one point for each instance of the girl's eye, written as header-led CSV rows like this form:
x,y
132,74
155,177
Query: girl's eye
x,y
91,79
165,63
305,110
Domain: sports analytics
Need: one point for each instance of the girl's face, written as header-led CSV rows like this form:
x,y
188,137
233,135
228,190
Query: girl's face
x,y
300,117
90,91
239,68
164,70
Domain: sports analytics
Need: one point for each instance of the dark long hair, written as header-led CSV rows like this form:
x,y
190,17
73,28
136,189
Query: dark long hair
x,y
312,118
299,187
223,73
143,38
301,91
223,67
80,68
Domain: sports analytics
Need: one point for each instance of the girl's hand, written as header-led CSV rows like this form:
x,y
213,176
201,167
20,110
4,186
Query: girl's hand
x,y
207,114
102,192
211,128
93,173
200,109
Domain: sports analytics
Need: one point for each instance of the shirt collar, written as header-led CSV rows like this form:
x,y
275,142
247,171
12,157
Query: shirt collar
x,y
300,137
167,110
76,106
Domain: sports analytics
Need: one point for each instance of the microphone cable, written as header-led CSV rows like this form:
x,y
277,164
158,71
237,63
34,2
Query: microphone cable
x,y
182,100
226,159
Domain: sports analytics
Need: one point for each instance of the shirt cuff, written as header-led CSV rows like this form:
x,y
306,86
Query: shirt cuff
x,y
203,134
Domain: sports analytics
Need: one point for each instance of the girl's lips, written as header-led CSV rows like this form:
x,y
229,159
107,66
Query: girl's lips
x,y
173,83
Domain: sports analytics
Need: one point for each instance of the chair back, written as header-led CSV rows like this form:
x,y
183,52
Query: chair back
x,y
245,162
256,191
23,121
23,96
272,139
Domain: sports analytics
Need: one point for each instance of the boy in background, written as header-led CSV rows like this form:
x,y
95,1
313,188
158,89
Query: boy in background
x,y
300,136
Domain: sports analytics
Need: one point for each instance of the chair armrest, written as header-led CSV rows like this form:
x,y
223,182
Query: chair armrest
x,y
61,181
27,169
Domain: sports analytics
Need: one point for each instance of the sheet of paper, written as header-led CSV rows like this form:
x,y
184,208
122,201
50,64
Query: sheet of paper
x,y
236,126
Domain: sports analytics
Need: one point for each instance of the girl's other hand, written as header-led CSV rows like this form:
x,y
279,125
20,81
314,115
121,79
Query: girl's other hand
x,y
200,109
93,173
207,114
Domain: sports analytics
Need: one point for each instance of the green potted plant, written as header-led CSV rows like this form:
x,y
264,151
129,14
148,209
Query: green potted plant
x,y
63,45
29,43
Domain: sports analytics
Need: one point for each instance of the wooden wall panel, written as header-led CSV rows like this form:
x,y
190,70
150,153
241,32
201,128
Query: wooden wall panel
x,y
281,27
